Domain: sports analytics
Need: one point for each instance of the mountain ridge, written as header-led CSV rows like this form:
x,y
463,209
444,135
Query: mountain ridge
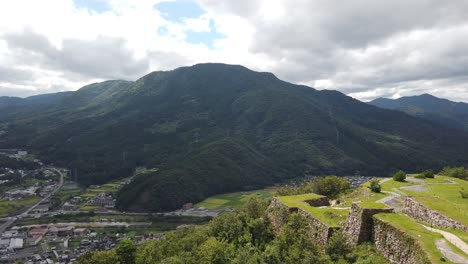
x,y
438,110
213,128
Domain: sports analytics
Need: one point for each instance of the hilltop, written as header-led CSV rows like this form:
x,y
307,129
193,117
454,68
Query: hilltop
x,y
441,111
216,128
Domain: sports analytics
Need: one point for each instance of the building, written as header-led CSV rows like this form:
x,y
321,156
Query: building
x,y
10,233
187,206
102,199
75,200
69,207
40,209
61,231
16,243
4,243
18,194
80,232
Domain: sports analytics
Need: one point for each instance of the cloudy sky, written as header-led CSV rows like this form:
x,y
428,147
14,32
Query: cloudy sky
x,y
363,48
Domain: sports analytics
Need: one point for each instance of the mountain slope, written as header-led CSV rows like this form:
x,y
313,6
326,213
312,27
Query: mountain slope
x,y
440,111
214,128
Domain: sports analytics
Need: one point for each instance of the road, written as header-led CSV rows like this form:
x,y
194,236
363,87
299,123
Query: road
x,y
12,219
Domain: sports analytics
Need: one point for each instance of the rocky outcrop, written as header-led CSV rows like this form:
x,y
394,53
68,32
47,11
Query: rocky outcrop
x,y
396,245
432,217
358,227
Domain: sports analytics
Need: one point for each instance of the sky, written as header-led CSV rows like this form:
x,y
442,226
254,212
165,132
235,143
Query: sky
x,y
363,48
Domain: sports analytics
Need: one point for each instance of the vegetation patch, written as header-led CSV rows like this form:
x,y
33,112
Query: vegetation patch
x,y
234,200
328,215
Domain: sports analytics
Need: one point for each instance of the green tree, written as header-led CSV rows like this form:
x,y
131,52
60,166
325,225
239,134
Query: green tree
x,y
375,186
399,176
126,252
338,247
214,251
330,186
428,174
293,244
100,257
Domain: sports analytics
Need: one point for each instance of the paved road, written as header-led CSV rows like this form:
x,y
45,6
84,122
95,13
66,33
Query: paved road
x,y
455,240
47,196
447,251
11,220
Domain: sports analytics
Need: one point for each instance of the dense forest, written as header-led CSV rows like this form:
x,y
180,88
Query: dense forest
x,y
214,128
17,164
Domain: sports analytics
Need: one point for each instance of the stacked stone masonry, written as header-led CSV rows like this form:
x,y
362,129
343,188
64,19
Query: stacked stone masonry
x,y
359,224
434,218
319,231
397,246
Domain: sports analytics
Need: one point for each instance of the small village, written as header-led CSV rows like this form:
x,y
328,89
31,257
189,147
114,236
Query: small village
x,y
27,196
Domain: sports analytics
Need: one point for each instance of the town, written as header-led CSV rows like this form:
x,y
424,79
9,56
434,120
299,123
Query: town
x,y
47,218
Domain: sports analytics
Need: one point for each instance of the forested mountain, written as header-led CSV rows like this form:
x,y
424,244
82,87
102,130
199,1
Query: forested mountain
x,y
214,128
438,110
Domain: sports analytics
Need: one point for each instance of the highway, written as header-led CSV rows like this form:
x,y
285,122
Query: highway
x,y
11,220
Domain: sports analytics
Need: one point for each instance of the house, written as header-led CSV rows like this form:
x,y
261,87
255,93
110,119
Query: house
x,y
69,207
16,243
79,232
187,206
4,243
10,233
36,235
38,231
40,209
75,200
61,231
17,194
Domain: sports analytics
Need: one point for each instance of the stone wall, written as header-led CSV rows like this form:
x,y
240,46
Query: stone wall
x,y
434,218
397,246
319,231
358,227
322,201
278,213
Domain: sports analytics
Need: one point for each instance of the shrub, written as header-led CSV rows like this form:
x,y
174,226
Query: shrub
x,y
399,176
420,176
428,174
338,247
330,186
375,186
464,194
459,172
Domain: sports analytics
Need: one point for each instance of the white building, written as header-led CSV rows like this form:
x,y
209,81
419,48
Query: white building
x,y
16,243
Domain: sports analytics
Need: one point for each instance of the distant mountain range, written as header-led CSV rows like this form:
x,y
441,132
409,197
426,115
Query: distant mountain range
x,y
438,110
214,128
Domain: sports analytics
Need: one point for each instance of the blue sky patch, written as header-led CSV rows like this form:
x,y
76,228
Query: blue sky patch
x,y
176,11
93,5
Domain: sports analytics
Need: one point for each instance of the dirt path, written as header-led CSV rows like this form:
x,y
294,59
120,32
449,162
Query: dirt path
x,y
448,253
455,240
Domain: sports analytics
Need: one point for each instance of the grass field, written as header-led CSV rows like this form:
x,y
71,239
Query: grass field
x,y
11,207
437,194
88,208
413,228
233,200
332,216
111,187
